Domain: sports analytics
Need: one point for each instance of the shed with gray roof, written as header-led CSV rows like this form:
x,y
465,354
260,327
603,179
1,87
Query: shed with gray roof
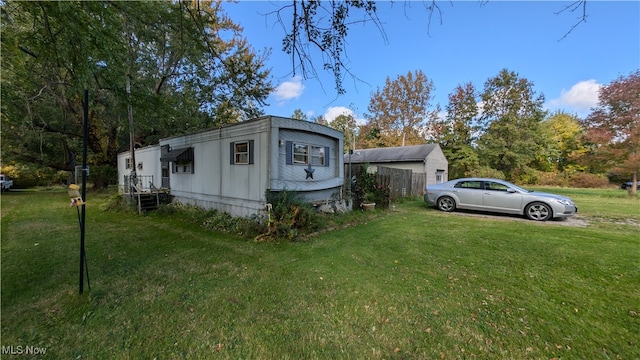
x,y
425,159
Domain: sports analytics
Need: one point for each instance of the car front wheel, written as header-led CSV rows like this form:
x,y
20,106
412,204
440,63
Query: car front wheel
x,y
538,211
446,203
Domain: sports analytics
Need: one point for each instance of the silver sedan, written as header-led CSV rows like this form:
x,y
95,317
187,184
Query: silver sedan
x,y
498,196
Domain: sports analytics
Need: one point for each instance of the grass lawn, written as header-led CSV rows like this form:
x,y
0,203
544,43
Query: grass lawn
x,y
413,283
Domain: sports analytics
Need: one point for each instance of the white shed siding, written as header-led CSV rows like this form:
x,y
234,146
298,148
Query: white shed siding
x,y
436,161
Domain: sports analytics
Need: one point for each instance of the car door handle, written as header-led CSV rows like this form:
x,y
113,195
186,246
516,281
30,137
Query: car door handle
x,y
487,193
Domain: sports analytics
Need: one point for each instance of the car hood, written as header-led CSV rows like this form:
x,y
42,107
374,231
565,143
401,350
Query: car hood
x,y
552,196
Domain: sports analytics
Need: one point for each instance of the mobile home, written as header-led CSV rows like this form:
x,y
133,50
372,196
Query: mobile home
x,y
230,168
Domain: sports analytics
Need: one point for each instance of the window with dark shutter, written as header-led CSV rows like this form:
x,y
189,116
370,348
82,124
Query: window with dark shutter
x,y
241,152
304,154
182,160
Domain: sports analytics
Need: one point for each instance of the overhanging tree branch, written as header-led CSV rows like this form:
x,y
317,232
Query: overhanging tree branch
x,y
576,5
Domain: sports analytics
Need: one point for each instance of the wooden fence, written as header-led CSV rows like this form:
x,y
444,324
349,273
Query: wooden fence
x,y
403,183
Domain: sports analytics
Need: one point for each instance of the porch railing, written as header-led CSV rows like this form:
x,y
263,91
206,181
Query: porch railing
x,y
141,183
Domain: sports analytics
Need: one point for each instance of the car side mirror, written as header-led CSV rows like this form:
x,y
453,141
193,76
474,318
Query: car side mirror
x,y
510,190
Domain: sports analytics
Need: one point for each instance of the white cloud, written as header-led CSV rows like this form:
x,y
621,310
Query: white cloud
x,y
335,111
581,97
289,90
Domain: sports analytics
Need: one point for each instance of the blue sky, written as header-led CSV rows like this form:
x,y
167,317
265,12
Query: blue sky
x,y
470,42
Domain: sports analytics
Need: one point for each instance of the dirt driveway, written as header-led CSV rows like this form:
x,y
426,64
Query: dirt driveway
x,y
577,220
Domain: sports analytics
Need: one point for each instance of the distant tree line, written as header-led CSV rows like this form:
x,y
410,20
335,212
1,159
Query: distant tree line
x,y
503,131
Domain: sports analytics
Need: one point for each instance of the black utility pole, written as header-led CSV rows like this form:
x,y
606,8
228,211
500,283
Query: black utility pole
x,y
84,192
132,141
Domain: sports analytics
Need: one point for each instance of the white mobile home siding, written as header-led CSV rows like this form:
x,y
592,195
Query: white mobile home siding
x,y
148,164
216,182
294,177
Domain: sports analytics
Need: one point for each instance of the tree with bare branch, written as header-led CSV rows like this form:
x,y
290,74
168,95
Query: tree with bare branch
x,y
318,30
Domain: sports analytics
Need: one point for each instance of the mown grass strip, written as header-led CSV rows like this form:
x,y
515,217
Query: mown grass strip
x,y
411,283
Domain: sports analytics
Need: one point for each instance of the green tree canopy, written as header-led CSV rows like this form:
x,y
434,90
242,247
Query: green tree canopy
x,y
188,66
346,124
462,112
402,110
511,114
299,114
456,131
566,146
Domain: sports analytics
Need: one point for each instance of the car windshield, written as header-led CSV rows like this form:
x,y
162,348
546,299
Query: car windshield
x,y
520,188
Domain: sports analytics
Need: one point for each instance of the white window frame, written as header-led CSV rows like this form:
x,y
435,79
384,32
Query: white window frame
x,y
241,156
303,154
317,155
182,167
300,153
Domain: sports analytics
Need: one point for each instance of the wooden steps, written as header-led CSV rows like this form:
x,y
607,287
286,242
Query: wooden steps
x,y
148,201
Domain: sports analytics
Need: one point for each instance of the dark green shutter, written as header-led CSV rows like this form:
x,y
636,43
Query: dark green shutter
x,y
326,156
289,153
250,151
